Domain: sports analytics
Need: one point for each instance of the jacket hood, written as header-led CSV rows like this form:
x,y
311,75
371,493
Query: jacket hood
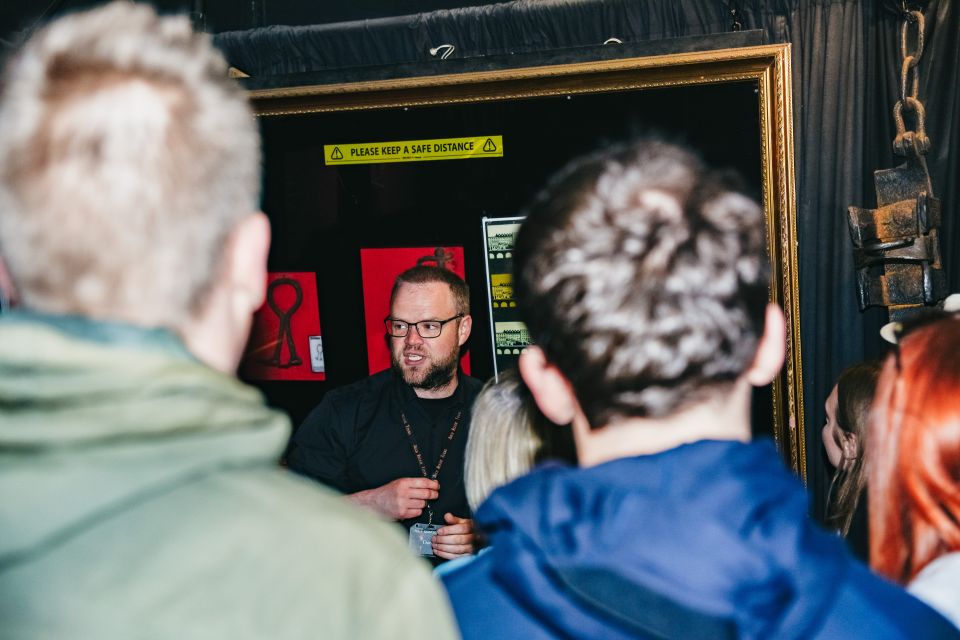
x,y
89,425
713,532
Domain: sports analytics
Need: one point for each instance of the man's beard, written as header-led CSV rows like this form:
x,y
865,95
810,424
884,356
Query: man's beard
x,y
438,375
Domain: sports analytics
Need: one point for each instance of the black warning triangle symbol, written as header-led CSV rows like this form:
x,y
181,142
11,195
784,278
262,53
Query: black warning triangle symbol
x,y
336,155
489,146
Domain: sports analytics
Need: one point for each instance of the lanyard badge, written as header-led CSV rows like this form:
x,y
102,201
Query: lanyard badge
x,y
421,538
422,533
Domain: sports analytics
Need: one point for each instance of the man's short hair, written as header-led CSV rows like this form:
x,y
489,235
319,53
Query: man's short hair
x,y
126,156
424,274
643,277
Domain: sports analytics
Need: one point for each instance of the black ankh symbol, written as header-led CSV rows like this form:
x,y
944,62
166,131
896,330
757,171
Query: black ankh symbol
x,y
285,316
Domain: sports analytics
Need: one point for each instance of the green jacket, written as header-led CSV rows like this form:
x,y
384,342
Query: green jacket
x,y
140,498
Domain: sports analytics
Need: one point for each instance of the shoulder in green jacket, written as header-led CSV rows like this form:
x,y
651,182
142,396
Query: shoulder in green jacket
x,y
140,497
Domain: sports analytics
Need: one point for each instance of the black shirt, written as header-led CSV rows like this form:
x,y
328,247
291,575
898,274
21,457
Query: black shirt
x,y
354,439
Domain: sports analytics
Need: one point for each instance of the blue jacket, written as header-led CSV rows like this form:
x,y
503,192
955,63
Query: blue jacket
x,y
708,540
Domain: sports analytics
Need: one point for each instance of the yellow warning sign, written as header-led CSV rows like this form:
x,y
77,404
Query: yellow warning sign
x,y
414,150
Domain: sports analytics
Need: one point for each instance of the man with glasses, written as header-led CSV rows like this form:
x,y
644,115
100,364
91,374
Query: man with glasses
x,y
394,442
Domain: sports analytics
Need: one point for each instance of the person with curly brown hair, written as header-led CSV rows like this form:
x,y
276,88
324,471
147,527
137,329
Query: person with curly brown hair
x,y
642,277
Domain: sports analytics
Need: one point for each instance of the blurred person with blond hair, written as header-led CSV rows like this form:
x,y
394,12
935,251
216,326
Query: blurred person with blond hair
x,y
139,491
509,435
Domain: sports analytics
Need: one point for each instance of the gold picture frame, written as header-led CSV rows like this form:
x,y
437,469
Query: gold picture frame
x,y
767,68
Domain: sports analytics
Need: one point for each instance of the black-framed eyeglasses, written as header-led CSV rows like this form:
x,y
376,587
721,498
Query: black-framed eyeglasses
x,y
425,328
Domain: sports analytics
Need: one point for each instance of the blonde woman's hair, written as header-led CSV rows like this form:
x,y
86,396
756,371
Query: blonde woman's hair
x,y
508,435
126,157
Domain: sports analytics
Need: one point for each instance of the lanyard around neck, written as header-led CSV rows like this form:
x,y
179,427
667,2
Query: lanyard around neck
x,y
416,448
419,454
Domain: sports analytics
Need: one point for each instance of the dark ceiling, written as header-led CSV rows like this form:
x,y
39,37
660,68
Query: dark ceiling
x,y
18,18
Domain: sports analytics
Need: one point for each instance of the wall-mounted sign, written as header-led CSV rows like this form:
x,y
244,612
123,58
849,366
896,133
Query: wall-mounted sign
x,y
285,342
379,268
510,335
414,150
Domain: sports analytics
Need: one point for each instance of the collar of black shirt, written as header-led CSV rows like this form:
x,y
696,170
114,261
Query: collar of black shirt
x,y
431,409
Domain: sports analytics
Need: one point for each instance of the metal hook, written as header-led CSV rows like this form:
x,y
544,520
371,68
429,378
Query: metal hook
x,y
444,50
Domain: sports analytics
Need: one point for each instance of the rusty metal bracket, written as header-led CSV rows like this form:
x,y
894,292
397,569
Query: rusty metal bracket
x,y
896,248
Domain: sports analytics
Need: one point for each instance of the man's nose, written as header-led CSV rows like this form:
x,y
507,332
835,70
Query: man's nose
x,y
413,336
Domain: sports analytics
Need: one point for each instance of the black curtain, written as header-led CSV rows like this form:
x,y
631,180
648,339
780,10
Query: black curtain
x,y
514,27
846,70
847,63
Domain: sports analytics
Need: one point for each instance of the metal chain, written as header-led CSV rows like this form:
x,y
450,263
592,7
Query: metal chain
x,y
735,15
910,141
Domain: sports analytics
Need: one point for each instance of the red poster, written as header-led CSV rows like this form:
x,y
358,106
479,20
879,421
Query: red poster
x,y
285,343
380,267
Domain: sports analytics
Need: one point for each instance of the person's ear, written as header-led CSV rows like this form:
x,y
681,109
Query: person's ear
x,y
550,389
246,261
771,349
849,445
217,334
463,332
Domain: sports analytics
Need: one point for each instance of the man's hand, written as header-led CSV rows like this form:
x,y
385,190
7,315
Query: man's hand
x,y
399,500
455,539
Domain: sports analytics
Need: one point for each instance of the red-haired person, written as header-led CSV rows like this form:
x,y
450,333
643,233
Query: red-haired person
x,y
914,470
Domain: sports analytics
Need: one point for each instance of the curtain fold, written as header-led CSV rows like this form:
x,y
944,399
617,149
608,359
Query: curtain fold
x,y
512,27
829,49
